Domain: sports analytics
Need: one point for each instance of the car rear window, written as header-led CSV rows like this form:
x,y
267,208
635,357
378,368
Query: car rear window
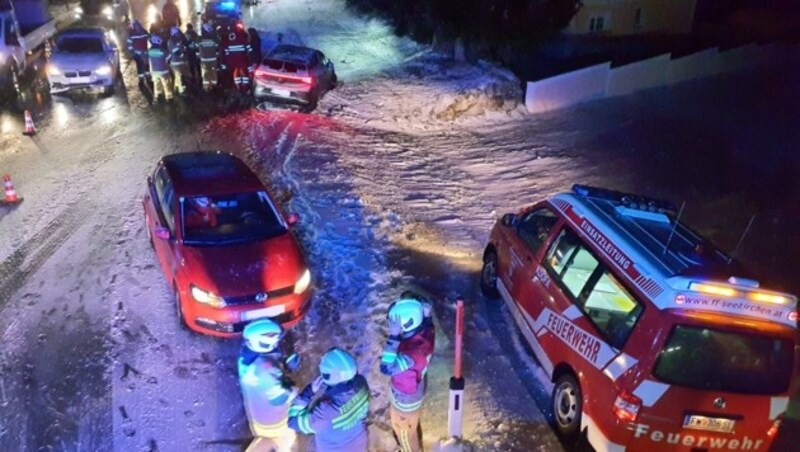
x,y
79,45
230,219
284,66
704,358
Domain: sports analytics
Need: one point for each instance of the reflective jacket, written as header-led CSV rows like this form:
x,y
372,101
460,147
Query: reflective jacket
x,y
158,60
137,40
208,48
178,50
337,418
266,391
406,361
235,49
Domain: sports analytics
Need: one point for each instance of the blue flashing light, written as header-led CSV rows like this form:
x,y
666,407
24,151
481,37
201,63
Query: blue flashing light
x,y
228,6
629,200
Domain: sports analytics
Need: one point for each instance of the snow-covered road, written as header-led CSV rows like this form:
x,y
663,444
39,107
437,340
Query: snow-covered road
x,y
391,193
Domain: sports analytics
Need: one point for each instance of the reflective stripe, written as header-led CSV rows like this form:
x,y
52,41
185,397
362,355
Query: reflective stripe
x,y
406,407
270,430
388,357
294,410
353,410
304,423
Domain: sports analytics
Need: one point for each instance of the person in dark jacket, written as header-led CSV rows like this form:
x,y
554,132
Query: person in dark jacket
x,y
255,48
266,390
236,51
192,41
334,406
137,46
405,359
171,14
178,58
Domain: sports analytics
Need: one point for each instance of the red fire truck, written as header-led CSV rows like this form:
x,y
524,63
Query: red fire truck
x,y
654,338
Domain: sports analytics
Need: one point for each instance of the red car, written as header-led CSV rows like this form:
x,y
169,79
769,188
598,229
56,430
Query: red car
x,y
224,246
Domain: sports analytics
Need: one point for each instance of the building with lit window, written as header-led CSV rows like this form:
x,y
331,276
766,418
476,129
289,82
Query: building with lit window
x,y
624,17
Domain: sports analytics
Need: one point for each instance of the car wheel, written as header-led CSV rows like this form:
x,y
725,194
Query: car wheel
x,y
489,276
567,405
179,310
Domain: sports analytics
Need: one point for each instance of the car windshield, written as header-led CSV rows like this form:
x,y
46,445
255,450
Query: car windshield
x,y
708,359
228,219
79,45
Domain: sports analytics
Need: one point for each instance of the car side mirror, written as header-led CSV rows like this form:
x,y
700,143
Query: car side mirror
x,y
292,219
162,233
509,219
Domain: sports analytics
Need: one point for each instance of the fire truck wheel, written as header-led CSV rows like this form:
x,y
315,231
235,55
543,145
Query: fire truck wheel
x,y
567,401
489,276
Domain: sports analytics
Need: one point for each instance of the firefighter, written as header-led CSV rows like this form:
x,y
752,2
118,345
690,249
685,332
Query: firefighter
x,y
178,58
192,40
208,51
266,390
137,46
236,57
159,68
334,406
255,48
405,359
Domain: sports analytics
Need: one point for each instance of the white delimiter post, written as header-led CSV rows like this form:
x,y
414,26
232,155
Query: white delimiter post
x,y
456,412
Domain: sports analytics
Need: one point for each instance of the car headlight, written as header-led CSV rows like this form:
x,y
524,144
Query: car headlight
x,y
302,284
108,11
207,297
53,69
103,70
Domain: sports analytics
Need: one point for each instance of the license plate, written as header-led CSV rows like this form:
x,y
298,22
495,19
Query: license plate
x,y
271,311
281,92
712,424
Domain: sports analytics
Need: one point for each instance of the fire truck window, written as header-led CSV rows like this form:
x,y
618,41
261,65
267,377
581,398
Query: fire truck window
x,y
612,309
534,228
572,263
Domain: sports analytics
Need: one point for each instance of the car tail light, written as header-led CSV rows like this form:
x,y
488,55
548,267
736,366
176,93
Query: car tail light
x,y
626,406
776,425
307,80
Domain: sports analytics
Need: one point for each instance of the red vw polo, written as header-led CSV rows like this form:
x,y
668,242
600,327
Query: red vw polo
x,y
224,246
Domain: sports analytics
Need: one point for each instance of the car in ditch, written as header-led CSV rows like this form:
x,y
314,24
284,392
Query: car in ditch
x,y
84,58
654,338
226,249
294,74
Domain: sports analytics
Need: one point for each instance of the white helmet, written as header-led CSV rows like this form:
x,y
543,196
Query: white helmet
x,y
408,311
155,40
174,31
207,27
337,366
262,336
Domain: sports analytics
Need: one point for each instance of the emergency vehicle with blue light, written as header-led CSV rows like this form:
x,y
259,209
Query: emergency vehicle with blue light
x,y
654,338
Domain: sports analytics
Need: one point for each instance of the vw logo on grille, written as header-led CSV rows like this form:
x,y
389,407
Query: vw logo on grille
x,y
719,402
261,297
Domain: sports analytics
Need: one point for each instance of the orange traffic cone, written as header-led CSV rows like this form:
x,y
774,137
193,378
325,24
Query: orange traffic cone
x,y
30,129
11,194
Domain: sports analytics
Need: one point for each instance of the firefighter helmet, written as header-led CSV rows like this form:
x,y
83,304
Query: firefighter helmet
x,y
408,312
262,336
337,366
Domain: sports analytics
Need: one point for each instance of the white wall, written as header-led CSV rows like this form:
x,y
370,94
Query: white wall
x,y
567,89
599,81
636,76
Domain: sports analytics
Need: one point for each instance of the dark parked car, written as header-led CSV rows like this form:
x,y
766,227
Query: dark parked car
x,y
294,74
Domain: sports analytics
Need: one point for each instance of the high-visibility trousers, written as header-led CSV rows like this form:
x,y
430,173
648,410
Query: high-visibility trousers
x,y
180,71
277,437
162,84
210,75
241,79
405,425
